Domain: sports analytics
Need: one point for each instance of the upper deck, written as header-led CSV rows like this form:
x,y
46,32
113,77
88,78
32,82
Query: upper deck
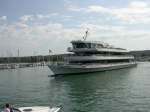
x,y
93,46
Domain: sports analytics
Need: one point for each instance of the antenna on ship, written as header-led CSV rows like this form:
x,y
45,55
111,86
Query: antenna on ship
x,y
86,34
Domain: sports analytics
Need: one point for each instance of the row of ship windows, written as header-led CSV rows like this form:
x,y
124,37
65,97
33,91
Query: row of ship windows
x,y
93,45
103,61
87,45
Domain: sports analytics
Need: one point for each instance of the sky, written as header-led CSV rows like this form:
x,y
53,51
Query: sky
x,y
36,26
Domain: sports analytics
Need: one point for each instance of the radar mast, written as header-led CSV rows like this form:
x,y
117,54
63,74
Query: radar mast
x,y
86,34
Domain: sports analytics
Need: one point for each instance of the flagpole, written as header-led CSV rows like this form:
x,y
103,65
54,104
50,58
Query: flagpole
x,y
50,51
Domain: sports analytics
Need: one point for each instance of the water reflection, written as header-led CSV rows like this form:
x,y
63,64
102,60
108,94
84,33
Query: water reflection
x,y
91,92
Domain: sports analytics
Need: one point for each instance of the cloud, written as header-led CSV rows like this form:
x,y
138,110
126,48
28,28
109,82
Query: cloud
x,y
110,31
89,9
97,8
41,16
33,36
26,18
138,4
135,12
75,8
3,18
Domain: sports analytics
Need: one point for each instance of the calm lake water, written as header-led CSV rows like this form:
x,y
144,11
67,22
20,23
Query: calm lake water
x,y
124,90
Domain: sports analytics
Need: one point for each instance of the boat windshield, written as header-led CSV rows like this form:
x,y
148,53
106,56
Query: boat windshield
x,y
16,110
82,45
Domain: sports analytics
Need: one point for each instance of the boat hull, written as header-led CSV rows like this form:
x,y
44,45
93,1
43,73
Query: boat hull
x,y
66,69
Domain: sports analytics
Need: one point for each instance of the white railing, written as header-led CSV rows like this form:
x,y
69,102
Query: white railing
x,y
84,58
70,49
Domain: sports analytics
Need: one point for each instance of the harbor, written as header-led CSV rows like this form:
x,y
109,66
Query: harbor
x,y
74,56
34,61
20,65
28,61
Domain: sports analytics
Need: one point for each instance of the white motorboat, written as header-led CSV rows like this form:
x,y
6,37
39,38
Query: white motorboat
x,y
37,109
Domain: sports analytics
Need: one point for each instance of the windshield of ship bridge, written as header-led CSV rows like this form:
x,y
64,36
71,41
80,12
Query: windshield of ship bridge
x,y
82,45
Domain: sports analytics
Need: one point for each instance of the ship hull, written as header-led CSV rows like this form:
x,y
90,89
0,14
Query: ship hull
x,y
72,69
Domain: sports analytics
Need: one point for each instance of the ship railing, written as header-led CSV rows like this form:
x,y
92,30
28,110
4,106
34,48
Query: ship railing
x,y
71,49
114,55
103,55
96,64
57,63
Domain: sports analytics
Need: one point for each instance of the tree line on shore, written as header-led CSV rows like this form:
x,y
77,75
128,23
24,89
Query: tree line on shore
x,y
143,55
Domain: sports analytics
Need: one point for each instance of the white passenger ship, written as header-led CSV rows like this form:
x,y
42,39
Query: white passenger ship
x,y
92,56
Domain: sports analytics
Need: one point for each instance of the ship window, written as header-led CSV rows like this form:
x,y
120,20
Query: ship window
x,y
82,45
99,61
99,46
93,45
29,109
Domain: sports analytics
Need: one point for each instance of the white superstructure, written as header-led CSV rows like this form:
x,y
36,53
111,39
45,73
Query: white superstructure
x,y
92,56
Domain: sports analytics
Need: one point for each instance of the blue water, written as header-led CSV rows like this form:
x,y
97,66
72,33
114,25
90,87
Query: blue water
x,y
124,90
